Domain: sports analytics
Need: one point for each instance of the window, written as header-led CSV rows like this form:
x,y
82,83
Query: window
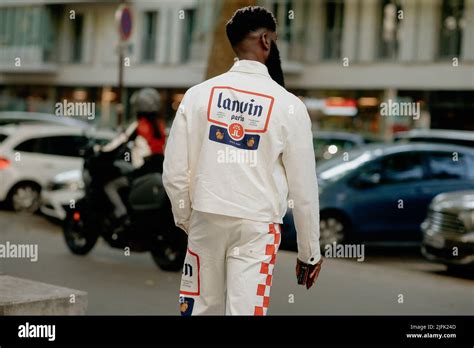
x,y
403,167
77,38
3,26
188,34
368,175
2,137
26,26
149,36
30,145
470,166
281,10
337,167
443,166
389,29
70,146
452,24
63,145
18,26
333,31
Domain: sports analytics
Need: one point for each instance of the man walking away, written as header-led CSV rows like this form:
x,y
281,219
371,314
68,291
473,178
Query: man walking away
x,y
240,145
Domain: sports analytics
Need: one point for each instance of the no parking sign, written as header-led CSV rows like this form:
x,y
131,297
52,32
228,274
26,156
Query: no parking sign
x,y
123,16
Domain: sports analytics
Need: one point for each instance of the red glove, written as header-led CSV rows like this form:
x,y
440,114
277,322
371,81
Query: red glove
x,y
307,274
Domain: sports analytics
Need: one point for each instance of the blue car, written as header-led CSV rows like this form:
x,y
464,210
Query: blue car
x,y
380,192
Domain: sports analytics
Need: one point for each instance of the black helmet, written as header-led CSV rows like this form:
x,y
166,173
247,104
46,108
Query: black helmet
x,y
145,100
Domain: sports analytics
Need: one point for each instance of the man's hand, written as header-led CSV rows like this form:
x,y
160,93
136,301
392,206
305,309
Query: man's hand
x,y
307,274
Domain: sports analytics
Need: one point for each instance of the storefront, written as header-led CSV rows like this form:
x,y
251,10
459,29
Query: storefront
x,y
45,99
347,110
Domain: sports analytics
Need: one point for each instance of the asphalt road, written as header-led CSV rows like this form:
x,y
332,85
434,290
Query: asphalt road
x,y
119,284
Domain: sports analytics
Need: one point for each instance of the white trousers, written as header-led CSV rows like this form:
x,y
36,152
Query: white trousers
x,y
229,265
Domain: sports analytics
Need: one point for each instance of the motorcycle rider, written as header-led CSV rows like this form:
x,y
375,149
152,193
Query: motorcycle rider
x,y
146,104
230,208
148,134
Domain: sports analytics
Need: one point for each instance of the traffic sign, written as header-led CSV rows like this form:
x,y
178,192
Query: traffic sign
x,y
123,16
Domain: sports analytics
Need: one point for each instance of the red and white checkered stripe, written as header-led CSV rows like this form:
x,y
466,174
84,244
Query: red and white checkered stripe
x,y
266,269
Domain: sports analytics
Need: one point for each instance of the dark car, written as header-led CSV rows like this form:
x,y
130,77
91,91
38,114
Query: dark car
x,y
382,192
332,144
448,231
442,136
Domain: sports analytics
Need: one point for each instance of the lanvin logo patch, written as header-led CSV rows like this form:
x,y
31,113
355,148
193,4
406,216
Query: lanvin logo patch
x,y
240,114
237,106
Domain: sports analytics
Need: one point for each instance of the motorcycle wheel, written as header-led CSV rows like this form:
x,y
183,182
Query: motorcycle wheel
x,y
169,255
77,240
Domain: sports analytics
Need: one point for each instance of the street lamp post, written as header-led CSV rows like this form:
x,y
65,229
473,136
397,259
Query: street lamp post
x,y
123,17
120,108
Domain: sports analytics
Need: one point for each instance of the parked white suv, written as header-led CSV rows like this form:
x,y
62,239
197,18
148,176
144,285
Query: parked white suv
x,y
32,155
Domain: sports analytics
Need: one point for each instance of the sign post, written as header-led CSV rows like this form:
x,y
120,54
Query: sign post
x,y
123,17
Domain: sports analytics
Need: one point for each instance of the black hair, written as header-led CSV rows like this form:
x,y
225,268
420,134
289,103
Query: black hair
x,y
248,19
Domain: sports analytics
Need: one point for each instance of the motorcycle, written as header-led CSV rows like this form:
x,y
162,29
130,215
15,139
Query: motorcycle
x,y
151,225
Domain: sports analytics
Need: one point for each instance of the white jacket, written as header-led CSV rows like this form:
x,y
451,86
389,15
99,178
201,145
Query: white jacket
x,y
241,145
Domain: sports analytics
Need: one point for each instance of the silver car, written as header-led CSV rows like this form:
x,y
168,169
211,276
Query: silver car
x,y
448,231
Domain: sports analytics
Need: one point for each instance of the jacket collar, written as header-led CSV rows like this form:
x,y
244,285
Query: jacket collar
x,y
250,67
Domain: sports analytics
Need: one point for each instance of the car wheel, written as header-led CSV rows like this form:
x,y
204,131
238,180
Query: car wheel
x,y
333,228
25,198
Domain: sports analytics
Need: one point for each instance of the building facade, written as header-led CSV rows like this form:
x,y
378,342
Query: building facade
x,y
344,57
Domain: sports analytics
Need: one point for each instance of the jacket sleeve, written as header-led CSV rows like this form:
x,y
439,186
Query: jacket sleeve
x,y
299,162
176,169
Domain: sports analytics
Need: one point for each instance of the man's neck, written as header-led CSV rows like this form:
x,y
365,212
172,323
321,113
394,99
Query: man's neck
x,y
250,56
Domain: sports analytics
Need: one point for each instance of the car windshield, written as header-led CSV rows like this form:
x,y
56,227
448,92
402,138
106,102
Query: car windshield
x,y
338,167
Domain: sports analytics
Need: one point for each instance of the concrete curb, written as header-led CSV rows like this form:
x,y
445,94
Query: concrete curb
x,y
26,297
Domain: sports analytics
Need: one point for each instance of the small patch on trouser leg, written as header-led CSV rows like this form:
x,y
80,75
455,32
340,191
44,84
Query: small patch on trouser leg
x,y
191,278
190,283
186,305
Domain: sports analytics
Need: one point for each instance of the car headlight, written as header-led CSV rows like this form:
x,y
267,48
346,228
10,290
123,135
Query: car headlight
x,y
467,218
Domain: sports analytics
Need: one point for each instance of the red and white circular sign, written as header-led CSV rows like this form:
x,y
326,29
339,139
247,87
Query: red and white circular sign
x,y
123,15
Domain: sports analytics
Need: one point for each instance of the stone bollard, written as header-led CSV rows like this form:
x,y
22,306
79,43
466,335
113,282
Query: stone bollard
x,y
26,297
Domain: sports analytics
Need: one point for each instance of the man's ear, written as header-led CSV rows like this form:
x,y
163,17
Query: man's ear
x,y
266,41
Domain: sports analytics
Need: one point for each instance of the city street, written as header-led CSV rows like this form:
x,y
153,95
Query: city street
x,y
119,284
